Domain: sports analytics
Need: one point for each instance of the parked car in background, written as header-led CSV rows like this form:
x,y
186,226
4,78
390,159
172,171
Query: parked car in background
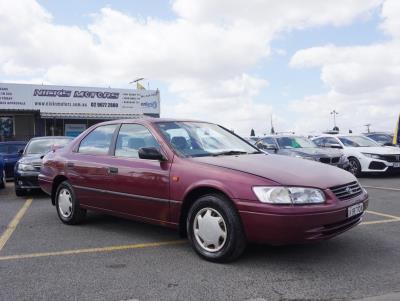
x,y
252,139
11,151
364,154
27,169
2,174
204,180
302,147
381,138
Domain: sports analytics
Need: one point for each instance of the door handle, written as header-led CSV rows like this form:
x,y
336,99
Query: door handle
x,y
70,164
112,170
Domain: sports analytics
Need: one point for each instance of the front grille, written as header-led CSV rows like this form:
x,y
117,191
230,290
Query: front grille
x,y
334,160
390,158
37,165
325,160
347,191
377,165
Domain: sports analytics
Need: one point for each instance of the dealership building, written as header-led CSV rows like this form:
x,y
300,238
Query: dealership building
x,y
27,111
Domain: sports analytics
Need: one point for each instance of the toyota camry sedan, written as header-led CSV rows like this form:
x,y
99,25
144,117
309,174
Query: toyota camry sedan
x,y
203,180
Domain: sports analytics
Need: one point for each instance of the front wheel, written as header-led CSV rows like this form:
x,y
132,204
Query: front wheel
x,y
355,167
215,230
68,208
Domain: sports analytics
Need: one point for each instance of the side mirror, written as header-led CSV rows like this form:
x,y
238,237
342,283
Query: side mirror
x,y
333,145
150,153
20,152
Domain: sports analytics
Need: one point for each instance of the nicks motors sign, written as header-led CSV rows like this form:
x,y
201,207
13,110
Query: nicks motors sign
x,y
63,99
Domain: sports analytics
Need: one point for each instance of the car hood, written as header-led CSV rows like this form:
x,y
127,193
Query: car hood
x,y
283,169
379,150
312,152
34,158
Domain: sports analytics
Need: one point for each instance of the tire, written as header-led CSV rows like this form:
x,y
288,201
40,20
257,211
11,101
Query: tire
x,y
231,242
67,205
355,167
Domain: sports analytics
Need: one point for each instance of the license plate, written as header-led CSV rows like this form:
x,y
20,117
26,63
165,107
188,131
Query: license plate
x,y
396,165
355,209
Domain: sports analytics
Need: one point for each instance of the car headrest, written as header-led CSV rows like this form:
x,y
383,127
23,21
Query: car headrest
x,y
136,143
179,142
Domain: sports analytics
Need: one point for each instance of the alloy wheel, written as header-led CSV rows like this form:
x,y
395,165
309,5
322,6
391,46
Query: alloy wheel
x,y
353,167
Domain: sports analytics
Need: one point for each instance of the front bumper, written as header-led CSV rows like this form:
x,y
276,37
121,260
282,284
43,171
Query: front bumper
x,y
27,180
291,227
378,166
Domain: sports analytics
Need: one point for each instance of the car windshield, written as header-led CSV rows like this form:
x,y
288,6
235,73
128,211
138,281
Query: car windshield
x,y
295,142
42,146
199,139
357,141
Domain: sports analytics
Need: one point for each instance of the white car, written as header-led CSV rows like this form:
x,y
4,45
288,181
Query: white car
x,y
364,154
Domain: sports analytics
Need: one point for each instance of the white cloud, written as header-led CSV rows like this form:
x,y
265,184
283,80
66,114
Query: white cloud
x,y
204,55
364,81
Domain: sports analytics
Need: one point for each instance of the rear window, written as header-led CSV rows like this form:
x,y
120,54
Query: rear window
x,y
42,146
98,141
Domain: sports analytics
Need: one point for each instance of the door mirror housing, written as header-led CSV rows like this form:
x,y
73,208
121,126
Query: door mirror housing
x,y
333,145
150,153
20,152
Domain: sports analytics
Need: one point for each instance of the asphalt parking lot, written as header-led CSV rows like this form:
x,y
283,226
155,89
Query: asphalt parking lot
x,y
107,258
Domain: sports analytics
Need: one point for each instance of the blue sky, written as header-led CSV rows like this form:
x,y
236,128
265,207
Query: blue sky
x,y
290,92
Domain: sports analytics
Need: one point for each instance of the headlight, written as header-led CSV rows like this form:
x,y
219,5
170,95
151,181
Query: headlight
x,y
26,167
311,158
374,156
289,195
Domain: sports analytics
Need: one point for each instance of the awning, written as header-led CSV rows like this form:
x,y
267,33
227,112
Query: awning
x,y
90,116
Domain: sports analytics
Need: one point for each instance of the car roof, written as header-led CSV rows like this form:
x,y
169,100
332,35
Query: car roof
x,y
152,120
284,136
373,133
13,142
51,137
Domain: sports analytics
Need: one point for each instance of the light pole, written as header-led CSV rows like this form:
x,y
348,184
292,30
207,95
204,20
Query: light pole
x,y
334,113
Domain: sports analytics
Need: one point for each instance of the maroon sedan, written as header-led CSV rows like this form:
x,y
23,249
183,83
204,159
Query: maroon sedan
x,y
203,180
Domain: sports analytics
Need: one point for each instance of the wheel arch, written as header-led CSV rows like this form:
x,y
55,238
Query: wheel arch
x,y
190,198
56,182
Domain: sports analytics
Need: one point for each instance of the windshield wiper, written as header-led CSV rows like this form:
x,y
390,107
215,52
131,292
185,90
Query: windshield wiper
x,y
230,153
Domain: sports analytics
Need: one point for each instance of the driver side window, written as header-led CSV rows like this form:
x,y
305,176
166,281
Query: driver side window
x,y
131,138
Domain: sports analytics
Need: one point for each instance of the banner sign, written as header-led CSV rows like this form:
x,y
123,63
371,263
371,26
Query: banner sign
x,y
78,100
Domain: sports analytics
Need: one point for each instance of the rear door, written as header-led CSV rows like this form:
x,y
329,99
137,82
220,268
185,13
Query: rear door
x,y
88,168
140,187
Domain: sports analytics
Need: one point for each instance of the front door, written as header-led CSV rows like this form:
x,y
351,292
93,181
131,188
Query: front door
x,y
140,186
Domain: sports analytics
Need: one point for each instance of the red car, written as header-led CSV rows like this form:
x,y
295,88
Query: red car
x,y
203,180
